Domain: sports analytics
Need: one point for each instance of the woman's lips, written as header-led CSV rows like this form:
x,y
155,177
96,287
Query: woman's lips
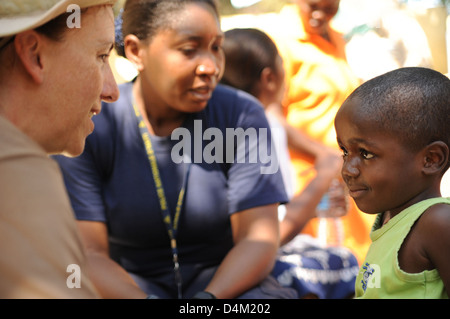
x,y
95,110
202,93
91,114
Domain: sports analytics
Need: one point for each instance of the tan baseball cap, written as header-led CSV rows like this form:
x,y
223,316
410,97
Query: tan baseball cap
x,y
21,15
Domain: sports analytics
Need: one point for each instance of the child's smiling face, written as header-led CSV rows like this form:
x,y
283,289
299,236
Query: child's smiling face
x,y
381,173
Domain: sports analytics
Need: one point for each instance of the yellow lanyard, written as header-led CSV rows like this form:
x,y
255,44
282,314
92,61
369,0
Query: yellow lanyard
x,y
172,228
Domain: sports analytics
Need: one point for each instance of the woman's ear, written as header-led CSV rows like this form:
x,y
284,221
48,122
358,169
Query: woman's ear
x,y
133,52
436,157
28,46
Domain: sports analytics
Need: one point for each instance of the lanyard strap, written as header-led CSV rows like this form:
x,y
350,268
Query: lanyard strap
x,y
172,227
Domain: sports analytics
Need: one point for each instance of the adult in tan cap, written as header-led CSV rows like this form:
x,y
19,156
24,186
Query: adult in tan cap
x,y
54,73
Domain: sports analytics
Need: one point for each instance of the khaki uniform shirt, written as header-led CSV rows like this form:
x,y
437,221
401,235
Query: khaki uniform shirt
x,y
41,254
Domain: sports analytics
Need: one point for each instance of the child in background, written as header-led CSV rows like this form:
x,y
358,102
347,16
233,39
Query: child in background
x,y
395,136
254,65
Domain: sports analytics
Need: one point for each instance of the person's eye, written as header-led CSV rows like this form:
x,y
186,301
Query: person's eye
x,y
104,57
188,50
217,48
217,45
366,154
344,151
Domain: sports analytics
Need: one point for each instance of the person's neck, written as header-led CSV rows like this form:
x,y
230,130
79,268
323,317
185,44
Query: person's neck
x,y
22,107
326,36
161,120
432,191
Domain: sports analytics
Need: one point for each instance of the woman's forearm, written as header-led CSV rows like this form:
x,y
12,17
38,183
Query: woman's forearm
x,y
244,267
252,258
111,280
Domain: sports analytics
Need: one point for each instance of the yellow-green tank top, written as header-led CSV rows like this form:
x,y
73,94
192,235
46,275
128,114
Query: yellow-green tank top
x,y
380,275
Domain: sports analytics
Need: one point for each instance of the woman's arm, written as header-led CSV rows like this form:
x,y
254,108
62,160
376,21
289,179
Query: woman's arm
x,y
110,279
251,259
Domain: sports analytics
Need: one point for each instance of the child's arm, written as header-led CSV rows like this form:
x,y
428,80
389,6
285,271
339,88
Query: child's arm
x,y
436,226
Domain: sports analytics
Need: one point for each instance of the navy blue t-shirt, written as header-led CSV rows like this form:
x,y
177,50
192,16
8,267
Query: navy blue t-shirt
x,y
112,182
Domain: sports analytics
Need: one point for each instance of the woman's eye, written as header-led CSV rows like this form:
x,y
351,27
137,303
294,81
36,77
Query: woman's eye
x,y
188,50
104,57
217,45
366,155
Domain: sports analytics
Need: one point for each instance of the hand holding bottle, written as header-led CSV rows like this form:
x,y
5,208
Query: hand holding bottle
x,y
331,208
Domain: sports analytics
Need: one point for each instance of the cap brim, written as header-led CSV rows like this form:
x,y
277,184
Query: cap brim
x,y
12,25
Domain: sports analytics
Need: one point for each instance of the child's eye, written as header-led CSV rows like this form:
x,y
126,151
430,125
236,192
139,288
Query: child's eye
x,y
365,154
344,151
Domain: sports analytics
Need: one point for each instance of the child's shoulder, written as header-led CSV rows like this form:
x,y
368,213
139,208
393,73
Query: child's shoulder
x,y
434,228
437,215
428,241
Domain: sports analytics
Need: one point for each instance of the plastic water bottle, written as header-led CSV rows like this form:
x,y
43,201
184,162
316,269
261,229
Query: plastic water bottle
x,y
330,230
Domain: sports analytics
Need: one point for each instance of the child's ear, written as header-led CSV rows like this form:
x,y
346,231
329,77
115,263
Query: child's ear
x,y
133,51
436,157
268,80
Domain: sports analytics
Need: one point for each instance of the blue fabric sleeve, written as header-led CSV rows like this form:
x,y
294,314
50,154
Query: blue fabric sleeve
x,y
84,186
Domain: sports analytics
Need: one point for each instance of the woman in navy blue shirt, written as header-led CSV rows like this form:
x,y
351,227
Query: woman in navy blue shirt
x,y
177,191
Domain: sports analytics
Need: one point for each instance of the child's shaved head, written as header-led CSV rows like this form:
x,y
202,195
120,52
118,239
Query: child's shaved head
x,y
411,103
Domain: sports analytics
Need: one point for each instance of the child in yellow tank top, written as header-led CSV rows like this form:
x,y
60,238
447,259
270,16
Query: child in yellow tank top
x,y
395,137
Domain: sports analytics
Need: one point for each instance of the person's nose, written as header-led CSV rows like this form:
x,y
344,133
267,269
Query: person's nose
x,y
110,91
208,65
350,168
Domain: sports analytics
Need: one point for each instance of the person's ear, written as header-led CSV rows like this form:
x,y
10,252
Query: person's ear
x,y
435,158
28,45
268,80
133,51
